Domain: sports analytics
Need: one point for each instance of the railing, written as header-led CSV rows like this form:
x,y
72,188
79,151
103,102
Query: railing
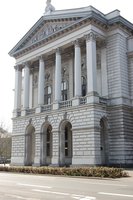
x,y
65,104
46,108
30,111
82,100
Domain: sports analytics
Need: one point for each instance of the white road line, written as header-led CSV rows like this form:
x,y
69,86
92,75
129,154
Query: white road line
x,y
111,184
114,194
50,192
20,197
81,197
28,185
74,196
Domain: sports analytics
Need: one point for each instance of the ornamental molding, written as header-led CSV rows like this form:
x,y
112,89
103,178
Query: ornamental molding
x,y
50,26
91,37
47,30
18,68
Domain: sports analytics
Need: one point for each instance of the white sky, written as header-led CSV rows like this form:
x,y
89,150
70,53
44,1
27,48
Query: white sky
x,y
16,18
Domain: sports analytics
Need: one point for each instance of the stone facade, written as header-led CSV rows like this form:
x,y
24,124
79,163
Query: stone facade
x,y
74,91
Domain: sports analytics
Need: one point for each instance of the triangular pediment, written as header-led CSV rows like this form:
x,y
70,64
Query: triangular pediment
x,y
42,30
46,30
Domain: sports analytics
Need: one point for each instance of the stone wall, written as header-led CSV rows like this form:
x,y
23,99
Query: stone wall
x,y
85,121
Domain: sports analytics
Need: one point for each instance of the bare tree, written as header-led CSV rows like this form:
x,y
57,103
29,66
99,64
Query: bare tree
x,y
5,144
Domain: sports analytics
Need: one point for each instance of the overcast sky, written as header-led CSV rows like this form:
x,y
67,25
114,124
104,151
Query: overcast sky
x,y
16,18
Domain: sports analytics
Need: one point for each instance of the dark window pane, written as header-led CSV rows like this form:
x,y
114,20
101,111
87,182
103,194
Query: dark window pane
x,y
48,149
66,152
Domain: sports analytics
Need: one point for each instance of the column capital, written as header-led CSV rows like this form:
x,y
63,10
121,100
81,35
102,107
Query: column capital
x,y
42,57
58,50
76,43
26,64
91,37
18,67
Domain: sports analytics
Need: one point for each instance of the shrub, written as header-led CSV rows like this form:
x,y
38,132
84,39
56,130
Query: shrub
x,y
103,172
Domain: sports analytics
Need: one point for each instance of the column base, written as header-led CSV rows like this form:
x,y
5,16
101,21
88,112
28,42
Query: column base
x,y
38,109
75,101
23,112
55,105
92,97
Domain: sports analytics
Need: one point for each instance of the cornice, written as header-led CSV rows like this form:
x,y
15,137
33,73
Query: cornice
x,y
92,17
82,19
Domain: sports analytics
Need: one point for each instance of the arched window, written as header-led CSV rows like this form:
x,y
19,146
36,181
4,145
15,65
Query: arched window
x,y
66,141
48,142
64,91
104,141
47,95
83,86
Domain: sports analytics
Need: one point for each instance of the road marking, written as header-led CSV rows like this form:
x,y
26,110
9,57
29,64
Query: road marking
x,y
46,191
74,196
110,184
28,185
81,197
114,194
20,197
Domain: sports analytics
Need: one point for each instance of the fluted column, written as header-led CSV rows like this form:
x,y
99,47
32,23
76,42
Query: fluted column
x,y
77,69
58,76
91,63
41,82
18,87
26,85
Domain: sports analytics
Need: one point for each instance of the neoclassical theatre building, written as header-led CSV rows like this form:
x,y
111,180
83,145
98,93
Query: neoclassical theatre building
x,y
73,100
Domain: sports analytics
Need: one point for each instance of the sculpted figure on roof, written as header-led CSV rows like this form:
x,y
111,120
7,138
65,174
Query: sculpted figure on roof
x,y
49,7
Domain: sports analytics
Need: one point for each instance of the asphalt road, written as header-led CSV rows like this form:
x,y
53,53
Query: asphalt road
x,y
40,187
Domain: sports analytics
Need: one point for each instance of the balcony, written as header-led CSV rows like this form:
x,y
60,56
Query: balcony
x,y
46,108
65,104
82,100
30,111
79,101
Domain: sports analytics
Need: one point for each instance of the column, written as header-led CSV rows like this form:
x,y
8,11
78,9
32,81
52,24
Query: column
x,y
18,87
26,85
91,63
58,76
31,90
41,82
77,69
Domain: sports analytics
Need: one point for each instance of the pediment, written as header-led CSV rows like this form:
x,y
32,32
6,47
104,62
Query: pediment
x,y
40,31
46,30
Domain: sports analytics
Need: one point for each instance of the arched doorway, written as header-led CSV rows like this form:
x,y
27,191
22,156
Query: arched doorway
x,y
65,150
104,141
46,144
30,145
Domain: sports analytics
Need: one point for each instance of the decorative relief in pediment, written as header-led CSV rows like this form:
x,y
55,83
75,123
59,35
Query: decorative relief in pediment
x,y
47,30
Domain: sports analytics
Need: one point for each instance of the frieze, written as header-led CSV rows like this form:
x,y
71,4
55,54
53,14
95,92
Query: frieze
x,y
47,30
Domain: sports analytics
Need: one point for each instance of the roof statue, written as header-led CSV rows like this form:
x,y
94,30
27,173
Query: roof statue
x,y
49,7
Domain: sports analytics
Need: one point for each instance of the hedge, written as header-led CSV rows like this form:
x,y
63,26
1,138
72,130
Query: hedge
x,y
104,172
